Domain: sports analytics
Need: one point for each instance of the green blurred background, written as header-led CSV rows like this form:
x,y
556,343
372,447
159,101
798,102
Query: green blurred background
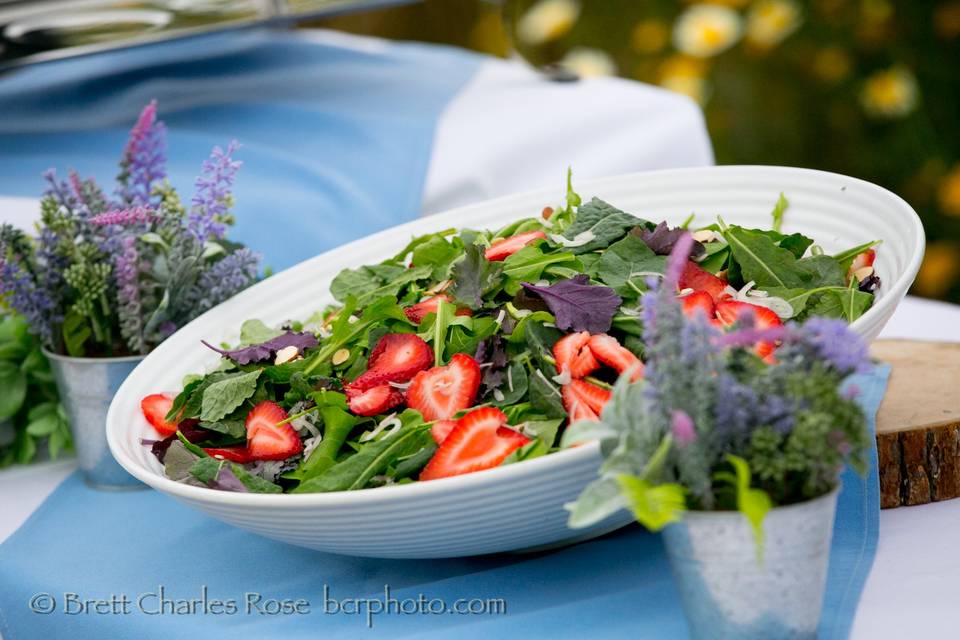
x,y
870,88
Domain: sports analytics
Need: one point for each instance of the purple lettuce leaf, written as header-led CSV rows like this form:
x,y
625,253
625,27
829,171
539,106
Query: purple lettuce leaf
x,y
227,480
578,305
662,239
267,350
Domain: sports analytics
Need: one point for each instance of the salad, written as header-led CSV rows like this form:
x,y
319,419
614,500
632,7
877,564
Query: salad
x,y
469,350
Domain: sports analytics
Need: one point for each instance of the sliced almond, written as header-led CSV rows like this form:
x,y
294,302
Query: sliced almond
x,y
863,273
286,354
704,235
340,356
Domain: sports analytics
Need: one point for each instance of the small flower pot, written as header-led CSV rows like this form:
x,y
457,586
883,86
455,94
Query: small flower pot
x,y
728,593
87,385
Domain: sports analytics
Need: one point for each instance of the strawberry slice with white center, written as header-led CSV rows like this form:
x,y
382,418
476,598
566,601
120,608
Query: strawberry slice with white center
x,y
699,302
693,277
573,354
611,353
419,311
441,392
373,401
577,407
155,408
729,311
480,440
441,429
397,357
505,247
267,439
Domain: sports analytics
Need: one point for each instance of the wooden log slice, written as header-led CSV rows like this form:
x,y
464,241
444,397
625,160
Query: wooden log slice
x,y
918,425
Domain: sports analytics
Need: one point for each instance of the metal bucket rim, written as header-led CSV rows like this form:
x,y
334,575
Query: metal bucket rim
x,y
84,360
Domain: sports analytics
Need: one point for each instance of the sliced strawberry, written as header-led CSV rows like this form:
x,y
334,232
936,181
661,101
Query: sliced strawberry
x,y
480,440
573,354
240,455
266,438
441,429
729,311
595,397
373,401
697,302
611,353
155,408
865,259
577,407
860,261
505,247
440,392
693,277
396,358
419,311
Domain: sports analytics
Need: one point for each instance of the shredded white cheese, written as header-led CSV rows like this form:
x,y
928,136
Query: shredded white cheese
x,y
578,240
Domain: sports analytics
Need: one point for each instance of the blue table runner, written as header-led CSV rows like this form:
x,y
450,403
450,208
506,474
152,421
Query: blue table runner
x,y
101,545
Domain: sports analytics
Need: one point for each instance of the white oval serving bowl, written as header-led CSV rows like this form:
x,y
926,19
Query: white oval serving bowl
x,y
519,506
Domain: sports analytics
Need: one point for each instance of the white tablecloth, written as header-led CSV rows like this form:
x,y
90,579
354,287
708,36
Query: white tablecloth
x,y
507,131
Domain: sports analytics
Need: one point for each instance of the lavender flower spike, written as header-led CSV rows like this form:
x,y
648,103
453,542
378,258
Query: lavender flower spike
x,y
213,198
144,158
124,216
837,344
23,295
126,266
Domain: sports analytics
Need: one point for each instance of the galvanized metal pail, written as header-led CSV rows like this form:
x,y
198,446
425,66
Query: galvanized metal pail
x,y
728,593
87,385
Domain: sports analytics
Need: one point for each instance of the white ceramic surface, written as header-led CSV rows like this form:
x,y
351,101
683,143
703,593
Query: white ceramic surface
x,y
519,506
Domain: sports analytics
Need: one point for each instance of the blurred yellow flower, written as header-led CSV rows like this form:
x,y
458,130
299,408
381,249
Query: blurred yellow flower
x,y
946,20
685,75
769,22
589,62
548,20
949,192
876,10
890,94
831,64
940,269
649,36
705,30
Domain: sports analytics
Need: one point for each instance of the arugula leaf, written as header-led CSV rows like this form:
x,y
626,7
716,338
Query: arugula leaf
x,y
544,396
438,254
821,271
625,265
222,397
234,428
578,305
371,282
529,263
778,210
473,276
604,222
839,302
761,260
533,449
545,430
344,332
370,459
514,386
795,243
